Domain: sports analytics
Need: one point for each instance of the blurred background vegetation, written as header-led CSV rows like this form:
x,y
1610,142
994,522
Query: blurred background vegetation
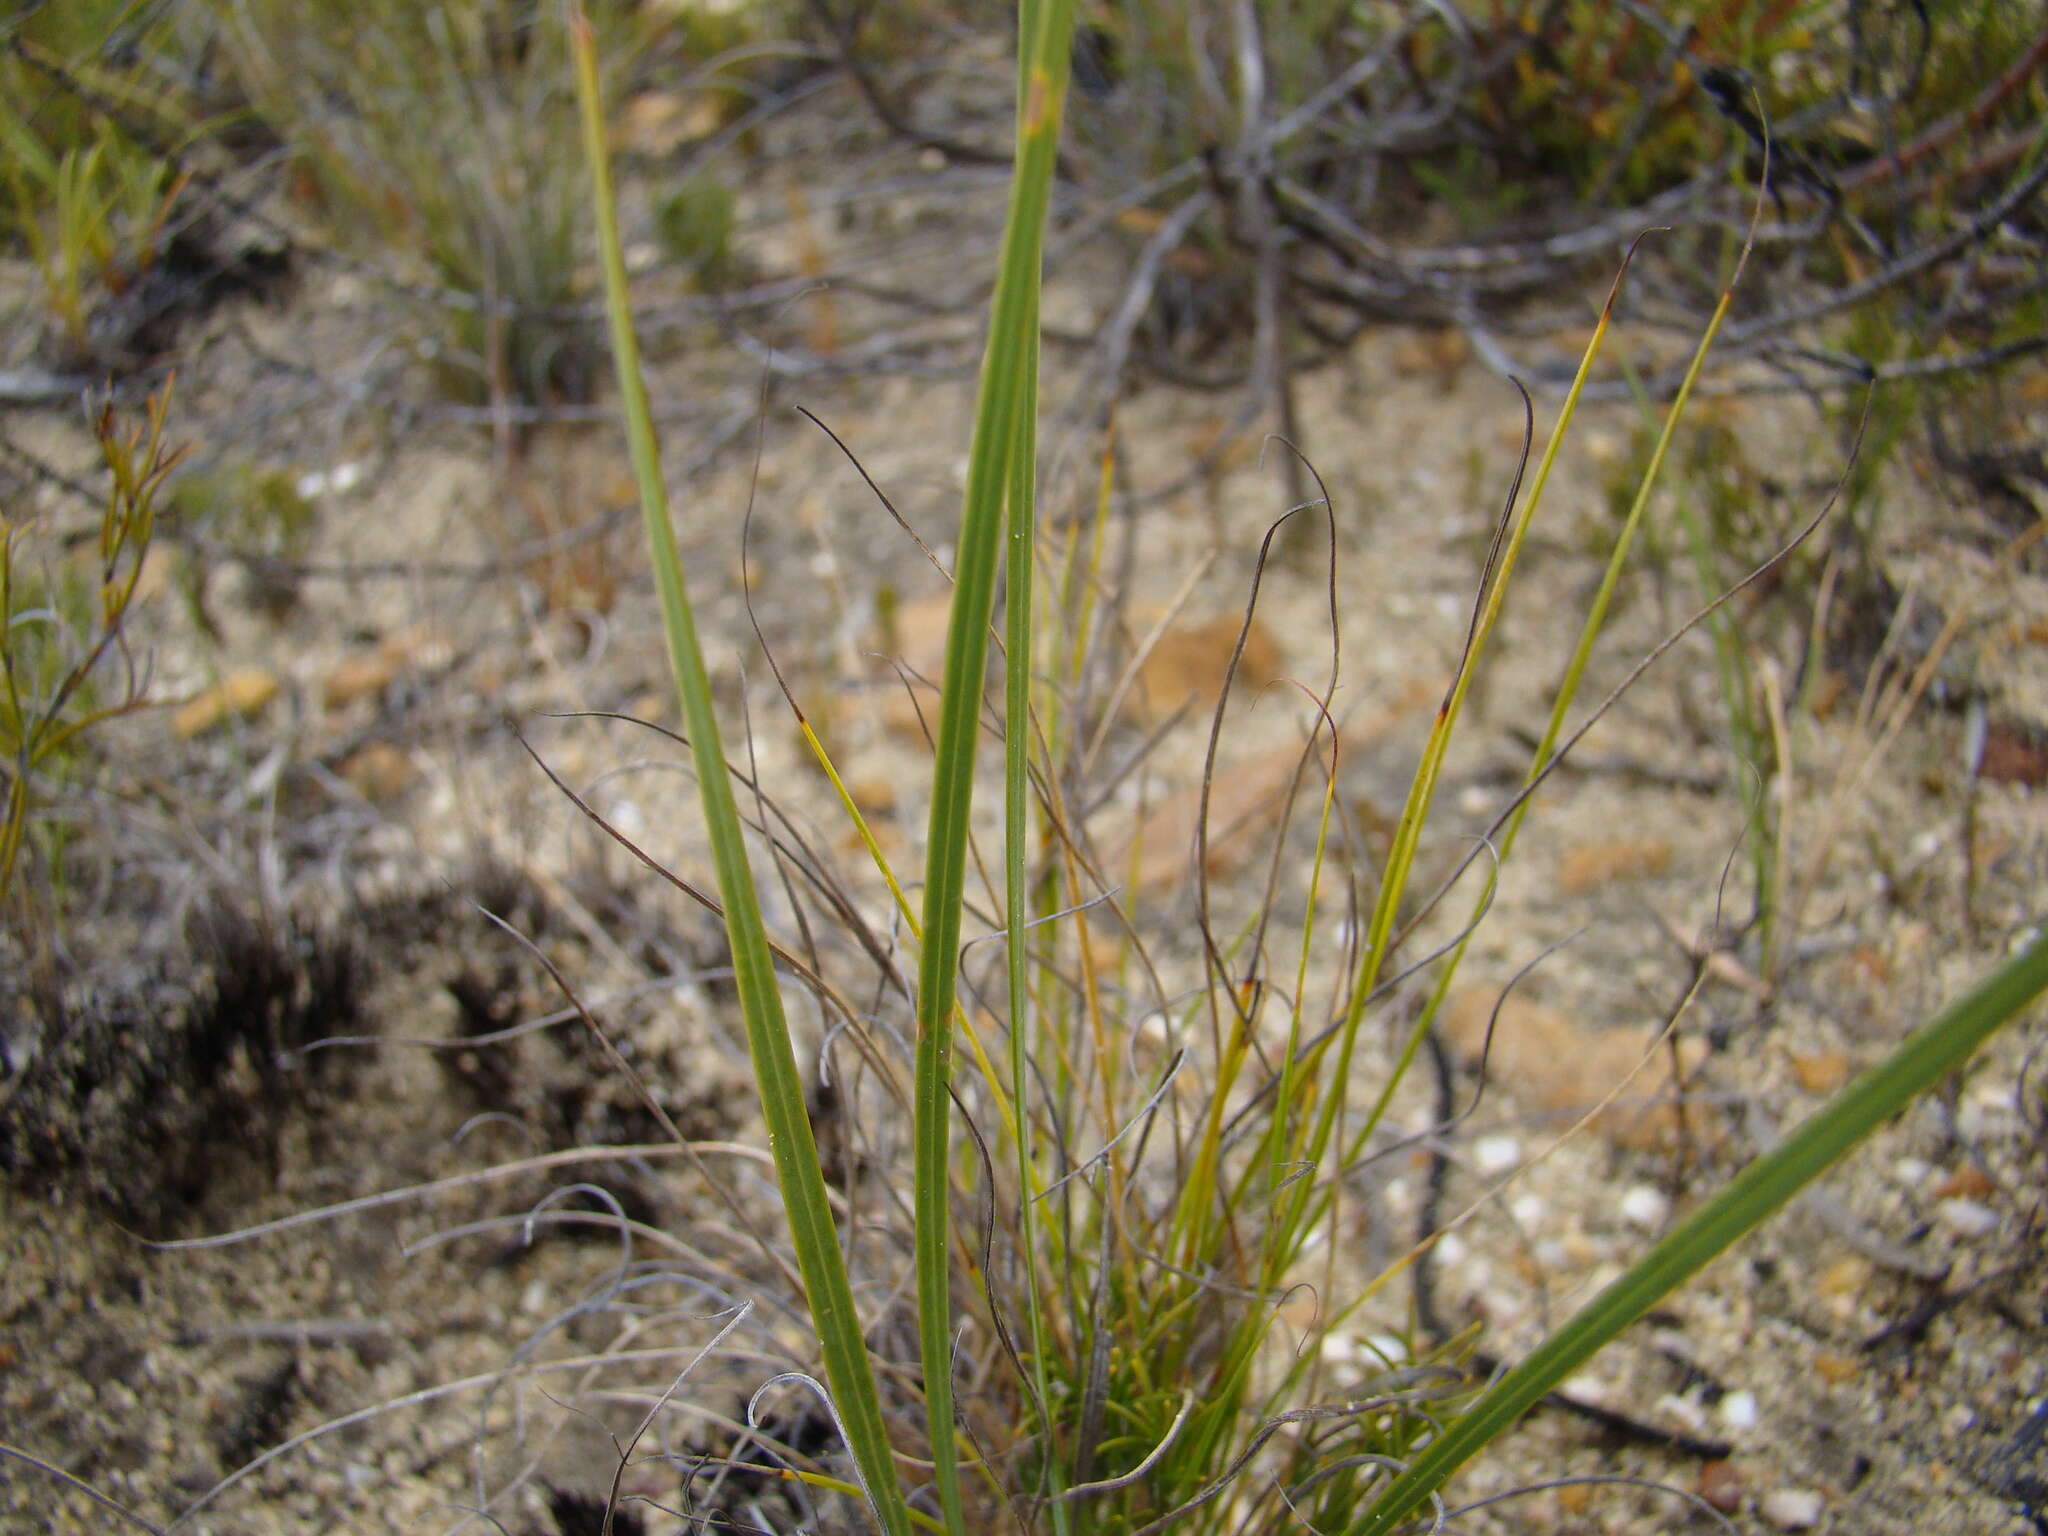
x,y
1283,171
1266,181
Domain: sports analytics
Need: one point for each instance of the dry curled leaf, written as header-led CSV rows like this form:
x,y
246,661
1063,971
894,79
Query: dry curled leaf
x,y
356,677
239,694
1591,865
1187,666
378,770
1246,798
1553,1064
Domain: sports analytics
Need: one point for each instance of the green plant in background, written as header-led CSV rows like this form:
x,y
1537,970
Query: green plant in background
x,y
65,667
73,74
447,132
1307,170
1624,101
94,220
1143,1246
1604,95
695,224
82,110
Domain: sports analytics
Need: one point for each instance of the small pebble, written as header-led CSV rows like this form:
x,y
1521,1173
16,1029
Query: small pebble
x,y
1496,1154
319,482
1451,1250
1587,1389
1843,1281
1721,1486
1792,1509
1674,1343
1502,1308
1528,1210
1603,448
1967,1218
1680,1411
1738,1410
1645,1207
1911,1172
1982,1119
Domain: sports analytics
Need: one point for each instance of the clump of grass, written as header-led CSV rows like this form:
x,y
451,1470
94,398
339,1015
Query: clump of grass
x,y
93,220
1116,1190
1101,1343
695,224
445,133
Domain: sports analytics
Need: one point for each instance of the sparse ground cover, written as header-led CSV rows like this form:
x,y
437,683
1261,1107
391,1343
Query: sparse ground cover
x,y
400,557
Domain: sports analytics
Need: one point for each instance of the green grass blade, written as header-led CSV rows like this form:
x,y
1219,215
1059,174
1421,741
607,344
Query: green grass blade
x,y
813,1233
1595,624
1422,791
1938,1048
1017,657
1009,387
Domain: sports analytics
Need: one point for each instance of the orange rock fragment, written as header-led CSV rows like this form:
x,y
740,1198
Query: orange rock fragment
x,y
874,793
371,670
1821,1071
1836,1369
2014,755
658,123
1441,353
1721,1485
1968,1182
